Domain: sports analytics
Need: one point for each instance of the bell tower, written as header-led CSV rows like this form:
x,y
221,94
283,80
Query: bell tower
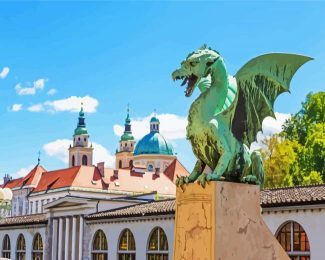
x,y
124,154
80,153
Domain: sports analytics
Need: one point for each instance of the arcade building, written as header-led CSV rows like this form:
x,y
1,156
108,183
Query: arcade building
x,y
89,211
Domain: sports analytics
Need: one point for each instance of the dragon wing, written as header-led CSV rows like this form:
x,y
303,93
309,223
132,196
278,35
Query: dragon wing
x,y
259,82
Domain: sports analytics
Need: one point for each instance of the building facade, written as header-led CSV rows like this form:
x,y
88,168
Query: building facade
x,y
90,211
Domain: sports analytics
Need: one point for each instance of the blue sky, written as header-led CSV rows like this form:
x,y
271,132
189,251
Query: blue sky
x,y
118,53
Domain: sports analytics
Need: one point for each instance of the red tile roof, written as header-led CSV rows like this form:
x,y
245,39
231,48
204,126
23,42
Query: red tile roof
x,y
90,177
299,195
24,220
31,179
57,179
145,209
175,169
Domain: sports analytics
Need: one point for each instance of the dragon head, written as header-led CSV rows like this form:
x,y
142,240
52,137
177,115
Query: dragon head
x,y
195,69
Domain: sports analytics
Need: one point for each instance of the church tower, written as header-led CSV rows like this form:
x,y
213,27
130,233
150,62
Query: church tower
x,y
124,154
80,153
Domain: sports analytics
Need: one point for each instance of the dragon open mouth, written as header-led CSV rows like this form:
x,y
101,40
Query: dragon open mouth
x,y
190,81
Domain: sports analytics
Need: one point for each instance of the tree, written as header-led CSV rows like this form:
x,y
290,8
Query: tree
x,y
297,155
307,127
280,162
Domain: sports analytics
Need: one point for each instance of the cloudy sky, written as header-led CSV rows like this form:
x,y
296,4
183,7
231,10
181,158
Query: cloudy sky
x,y
56,55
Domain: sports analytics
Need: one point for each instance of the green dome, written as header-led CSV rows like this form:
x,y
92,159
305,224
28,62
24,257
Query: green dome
x,y
154,119
80,131
153,143
127,137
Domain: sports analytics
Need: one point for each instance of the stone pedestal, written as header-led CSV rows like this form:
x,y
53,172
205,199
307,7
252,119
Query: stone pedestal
x,y
222,222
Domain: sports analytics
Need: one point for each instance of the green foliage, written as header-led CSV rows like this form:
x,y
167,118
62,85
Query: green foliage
x,y
280,162
297,155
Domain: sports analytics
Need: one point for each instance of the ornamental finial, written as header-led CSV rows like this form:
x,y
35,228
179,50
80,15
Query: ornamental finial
x,y
39,158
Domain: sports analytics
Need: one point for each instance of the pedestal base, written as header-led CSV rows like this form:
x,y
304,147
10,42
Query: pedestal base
x,y
222,222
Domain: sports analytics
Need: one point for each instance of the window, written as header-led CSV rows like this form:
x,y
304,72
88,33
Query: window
x,y
84,160
126,248
37,253
85,139
294,240
99,249
131,163
31,208
157,245
150,167
36,206
6,247
119,164
73,161
21,248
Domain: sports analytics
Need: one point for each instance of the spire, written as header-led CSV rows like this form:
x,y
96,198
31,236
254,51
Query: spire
x,y
81,126
127,119
154,123
127,135
39,158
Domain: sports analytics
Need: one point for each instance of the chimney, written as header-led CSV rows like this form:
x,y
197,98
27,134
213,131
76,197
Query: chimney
x,y
7,178
101,168
115,174
157,170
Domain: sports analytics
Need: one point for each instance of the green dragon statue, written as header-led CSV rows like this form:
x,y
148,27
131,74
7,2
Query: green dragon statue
x,y
224,120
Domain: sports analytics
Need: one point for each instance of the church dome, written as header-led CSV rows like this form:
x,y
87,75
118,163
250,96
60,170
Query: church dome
x,y
153,143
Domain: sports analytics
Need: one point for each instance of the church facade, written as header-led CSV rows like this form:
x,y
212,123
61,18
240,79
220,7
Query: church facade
x,y
90,211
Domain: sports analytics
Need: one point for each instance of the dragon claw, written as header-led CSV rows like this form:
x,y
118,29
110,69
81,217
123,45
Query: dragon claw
x,y
202,180
214,177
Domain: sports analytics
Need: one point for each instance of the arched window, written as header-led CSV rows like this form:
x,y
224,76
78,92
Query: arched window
x,y
150,168
73,160
131,163
119,164
157,245
294,240
6,247
126,248
37,253
99,249
84,160
21,248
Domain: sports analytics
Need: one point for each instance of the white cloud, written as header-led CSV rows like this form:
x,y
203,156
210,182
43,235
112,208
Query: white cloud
x,y
72,104
22,91
270,127
4,72
30,89
59,149
36,108
101,154
22,172
171,126
51,92
39,84
16,107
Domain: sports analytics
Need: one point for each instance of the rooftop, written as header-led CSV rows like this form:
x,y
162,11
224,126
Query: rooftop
x,y
24,220
293,196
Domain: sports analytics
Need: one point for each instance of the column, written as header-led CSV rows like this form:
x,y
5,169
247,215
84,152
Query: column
x,y
67,233
81,231
73,245
54,239
60,236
